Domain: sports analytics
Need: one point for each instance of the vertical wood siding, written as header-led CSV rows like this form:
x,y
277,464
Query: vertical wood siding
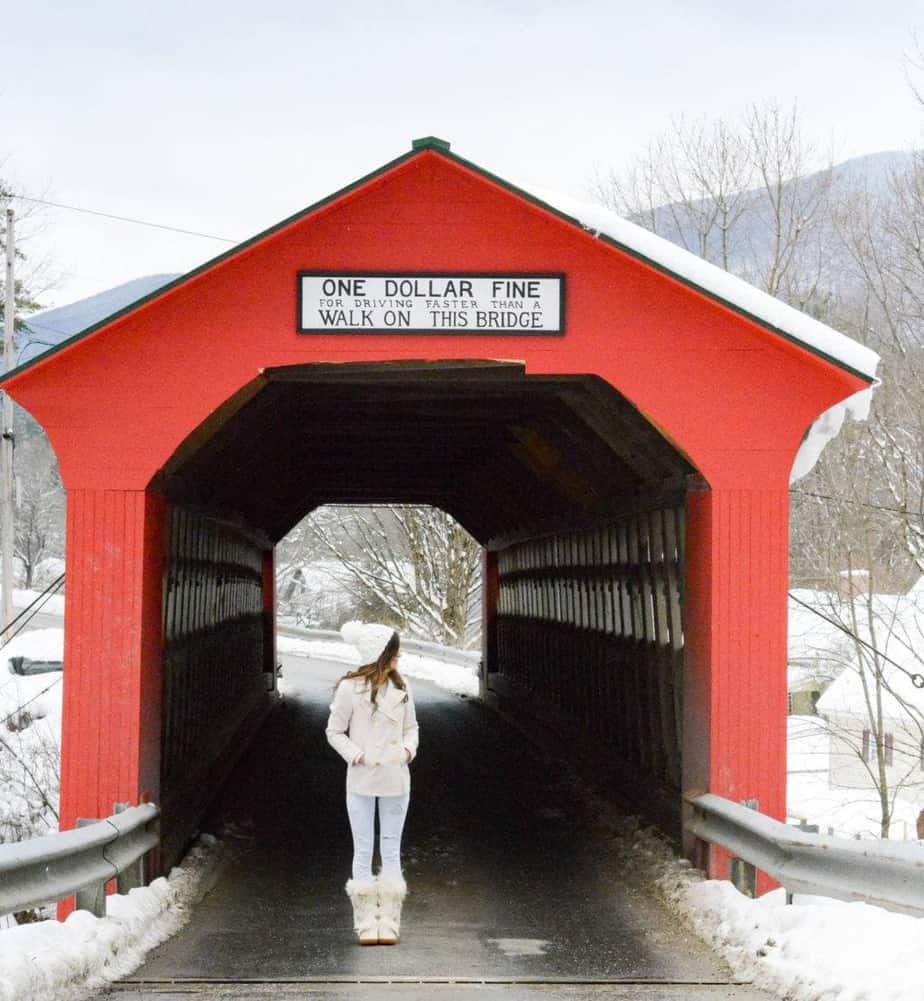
x,y
735,688
214,639
590,635
111,725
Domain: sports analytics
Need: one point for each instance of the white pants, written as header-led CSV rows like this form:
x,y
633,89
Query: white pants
x,y
361,811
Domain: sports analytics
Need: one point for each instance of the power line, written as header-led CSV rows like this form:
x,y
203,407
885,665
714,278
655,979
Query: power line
x,y
122,218
859,503
916,679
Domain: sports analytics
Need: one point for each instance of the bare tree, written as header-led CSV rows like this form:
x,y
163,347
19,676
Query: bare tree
x,y
745,193
873,711
882,233
690,186
39,506
415,565
791,205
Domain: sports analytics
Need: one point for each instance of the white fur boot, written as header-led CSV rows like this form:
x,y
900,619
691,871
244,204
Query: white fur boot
x,y
392,891
365,899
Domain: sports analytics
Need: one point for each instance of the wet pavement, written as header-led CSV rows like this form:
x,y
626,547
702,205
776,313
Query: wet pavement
x,y
512,884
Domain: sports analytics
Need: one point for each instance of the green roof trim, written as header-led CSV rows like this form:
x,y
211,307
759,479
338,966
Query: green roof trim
x,y
430,142
442,148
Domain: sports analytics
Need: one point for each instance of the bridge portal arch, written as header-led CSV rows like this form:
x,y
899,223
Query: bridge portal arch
x,y
632,413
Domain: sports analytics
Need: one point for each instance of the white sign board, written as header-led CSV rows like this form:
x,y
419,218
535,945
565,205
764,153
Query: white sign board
x,y
456,303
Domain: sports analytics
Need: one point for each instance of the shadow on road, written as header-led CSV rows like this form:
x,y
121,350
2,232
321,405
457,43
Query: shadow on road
x,y
508,875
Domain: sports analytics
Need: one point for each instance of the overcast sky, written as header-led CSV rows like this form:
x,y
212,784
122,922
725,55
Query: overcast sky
x,y
226,117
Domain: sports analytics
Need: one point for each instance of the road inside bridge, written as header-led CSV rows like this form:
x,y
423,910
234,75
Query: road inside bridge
x,y
513,885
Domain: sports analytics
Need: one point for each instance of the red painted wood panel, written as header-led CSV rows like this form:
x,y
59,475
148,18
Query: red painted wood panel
x,y
735,657
112,673
734,397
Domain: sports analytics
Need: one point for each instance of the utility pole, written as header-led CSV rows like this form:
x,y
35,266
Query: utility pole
x,y
6,434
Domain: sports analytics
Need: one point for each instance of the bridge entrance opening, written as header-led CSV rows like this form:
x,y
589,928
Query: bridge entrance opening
x,y
576,498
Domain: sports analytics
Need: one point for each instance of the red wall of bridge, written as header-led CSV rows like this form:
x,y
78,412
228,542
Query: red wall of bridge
x,y
734,397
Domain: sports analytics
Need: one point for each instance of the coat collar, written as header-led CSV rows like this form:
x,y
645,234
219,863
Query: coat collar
x,y
390,699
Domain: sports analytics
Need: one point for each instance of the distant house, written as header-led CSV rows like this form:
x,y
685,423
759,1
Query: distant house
x,y
845,698
879,700
818,649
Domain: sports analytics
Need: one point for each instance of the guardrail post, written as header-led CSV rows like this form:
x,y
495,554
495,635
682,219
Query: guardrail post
x,y
91,898
133,875
742,875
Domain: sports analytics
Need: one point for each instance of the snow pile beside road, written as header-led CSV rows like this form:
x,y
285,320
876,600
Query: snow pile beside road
x,y
75,958
450,677
817,949
322,649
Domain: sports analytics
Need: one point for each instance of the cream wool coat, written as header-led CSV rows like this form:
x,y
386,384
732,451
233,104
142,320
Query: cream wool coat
x,y
382,735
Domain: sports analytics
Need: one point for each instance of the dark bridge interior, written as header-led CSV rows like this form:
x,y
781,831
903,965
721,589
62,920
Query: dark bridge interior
x,y
577,498
504,452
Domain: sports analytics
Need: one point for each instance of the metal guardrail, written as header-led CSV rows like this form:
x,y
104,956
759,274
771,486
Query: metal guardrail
x,y
446,654
79,862
887,873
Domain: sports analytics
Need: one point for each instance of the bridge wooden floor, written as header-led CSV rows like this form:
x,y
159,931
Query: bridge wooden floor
x,y
514,891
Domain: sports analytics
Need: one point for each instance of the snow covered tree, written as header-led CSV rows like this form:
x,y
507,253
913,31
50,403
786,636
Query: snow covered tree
x,y
414,567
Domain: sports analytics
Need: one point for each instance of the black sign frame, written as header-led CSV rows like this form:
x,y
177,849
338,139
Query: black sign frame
x,y
558,276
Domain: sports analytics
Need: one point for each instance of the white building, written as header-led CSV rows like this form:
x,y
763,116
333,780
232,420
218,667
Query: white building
x,y
868,703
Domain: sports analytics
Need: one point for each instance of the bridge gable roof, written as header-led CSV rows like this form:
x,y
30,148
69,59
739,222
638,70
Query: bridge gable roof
x,y
680,264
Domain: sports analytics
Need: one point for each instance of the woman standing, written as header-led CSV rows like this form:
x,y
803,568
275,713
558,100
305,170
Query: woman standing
x,y
373,727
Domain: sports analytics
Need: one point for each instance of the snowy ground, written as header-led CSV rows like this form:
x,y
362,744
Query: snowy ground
x,y
816,950
30,714
73,959
451,677
841,812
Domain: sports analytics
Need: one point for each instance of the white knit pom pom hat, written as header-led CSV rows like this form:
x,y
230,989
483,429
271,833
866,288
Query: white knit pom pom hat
x,y
369,638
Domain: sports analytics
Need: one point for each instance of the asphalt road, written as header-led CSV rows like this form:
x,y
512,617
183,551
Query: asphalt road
x,y
512,884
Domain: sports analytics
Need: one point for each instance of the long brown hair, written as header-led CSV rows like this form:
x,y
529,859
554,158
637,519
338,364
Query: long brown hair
x,y
382,670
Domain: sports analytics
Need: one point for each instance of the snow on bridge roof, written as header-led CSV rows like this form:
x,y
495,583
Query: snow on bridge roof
x,y
734,291
653,249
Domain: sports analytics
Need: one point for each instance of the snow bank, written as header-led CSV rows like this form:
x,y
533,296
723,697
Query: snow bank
x,y
814,950
53,604
323,649
30,715
450,677
75,958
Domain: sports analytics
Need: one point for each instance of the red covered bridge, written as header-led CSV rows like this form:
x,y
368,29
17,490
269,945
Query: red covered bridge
x,y
613,420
